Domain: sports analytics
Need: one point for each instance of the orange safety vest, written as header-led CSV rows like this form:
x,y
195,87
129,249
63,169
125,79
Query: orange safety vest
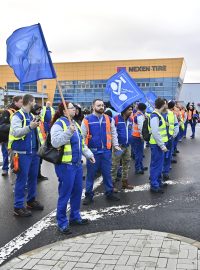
x,y
183,114
190,114
136,132
108,132
42,130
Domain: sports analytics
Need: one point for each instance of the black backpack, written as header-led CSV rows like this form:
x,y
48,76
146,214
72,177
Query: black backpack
x,y
145,129
5,125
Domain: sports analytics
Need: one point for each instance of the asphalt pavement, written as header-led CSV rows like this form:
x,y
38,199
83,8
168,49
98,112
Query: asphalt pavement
x,y
176,211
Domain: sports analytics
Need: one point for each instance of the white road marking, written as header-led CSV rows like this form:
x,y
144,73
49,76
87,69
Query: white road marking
x,y
22,239
19,241
146,187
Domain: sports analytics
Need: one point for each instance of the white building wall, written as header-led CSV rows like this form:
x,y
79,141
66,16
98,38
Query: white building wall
x,y
190,92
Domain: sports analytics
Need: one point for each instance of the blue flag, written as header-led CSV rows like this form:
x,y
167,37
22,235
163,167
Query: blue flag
x,y
123,90
149,99
28,55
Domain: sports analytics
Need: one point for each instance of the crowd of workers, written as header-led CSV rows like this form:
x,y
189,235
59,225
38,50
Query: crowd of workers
x,y
107,139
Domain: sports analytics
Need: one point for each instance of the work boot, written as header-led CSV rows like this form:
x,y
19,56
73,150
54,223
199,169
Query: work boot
x,y
126,185
166,177
4,173
115,189
65,230
22,212
139,172
42,177
112,197
163,185
88,200
35,205
83,221
156,190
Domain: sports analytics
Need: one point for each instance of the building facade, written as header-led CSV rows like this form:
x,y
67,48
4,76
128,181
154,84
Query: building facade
x,y
190,92
82,82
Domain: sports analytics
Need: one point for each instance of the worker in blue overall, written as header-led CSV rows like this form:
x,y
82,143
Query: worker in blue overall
x,y
124,126
138,142
100,135
70,170
24,139
172,131
47,115
5,119
157,142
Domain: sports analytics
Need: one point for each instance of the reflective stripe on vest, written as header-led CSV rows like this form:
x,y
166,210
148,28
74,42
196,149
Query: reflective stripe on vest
x,y
12,138
136,132
170,117
67,155
41,133
108,132
162,130
44,109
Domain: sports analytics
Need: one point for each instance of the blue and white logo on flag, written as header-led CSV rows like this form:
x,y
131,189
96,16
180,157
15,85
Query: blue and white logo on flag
x,y
123,90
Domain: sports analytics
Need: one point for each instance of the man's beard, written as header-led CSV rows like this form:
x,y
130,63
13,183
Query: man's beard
x,y
100,111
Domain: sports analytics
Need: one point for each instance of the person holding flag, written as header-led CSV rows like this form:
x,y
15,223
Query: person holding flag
x,y
24,140
28,55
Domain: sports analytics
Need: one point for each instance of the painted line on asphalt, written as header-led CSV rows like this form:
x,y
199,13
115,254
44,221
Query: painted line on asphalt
x,y
121,210
19,241
146,187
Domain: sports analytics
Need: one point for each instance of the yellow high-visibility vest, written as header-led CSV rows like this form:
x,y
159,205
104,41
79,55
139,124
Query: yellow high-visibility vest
x,y
162,130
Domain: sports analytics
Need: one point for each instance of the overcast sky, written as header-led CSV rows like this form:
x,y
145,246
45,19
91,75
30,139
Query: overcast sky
x,y
86,30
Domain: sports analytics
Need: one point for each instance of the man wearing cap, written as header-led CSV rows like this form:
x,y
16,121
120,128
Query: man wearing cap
x,y
124,126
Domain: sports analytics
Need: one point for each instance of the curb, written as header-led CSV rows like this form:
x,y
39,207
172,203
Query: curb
x,y
176,237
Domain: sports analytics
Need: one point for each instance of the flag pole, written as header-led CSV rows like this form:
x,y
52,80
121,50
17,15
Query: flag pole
x,y
63,100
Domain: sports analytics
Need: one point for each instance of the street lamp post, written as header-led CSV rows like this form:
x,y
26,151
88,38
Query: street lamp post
x,y
5,96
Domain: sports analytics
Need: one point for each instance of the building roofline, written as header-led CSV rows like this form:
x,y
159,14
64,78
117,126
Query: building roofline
x,y
192,83
121,60
115,60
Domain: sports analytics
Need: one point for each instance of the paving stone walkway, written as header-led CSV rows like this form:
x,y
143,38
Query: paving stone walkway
x,y
120,250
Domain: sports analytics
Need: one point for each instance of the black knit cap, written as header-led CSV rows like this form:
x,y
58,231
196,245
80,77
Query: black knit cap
x,y
171,104
142,107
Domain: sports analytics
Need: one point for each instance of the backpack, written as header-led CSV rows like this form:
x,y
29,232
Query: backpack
x,y
145,129
146,133
5,126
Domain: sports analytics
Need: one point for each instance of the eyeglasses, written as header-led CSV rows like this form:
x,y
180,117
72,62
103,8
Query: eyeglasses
x,y
69,108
